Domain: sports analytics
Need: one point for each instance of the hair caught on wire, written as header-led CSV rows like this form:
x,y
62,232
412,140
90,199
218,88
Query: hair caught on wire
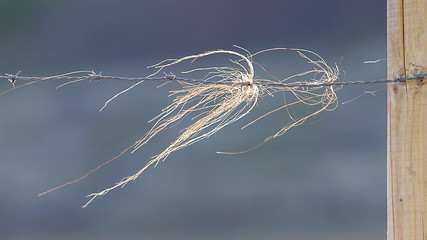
x,y
225,95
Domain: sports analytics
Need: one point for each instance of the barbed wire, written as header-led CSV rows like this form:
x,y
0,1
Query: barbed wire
x,y
13,78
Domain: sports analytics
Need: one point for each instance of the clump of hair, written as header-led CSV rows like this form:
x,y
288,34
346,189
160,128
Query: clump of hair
x,y
231,98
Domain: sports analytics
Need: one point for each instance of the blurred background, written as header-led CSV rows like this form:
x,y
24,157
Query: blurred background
x,y
318,181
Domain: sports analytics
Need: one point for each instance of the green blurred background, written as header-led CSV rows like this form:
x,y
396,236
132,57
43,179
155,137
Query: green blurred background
x,y
319,181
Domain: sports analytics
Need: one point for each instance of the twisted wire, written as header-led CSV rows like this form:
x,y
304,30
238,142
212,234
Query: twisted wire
x,y
13,78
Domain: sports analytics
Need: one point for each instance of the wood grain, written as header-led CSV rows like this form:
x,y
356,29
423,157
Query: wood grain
x,y
407,120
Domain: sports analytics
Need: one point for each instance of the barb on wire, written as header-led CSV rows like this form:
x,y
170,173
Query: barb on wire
x,y
95,76
223,96
12,77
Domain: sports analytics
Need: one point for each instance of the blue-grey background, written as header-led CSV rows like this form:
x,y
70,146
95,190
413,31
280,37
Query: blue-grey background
x,y
320,181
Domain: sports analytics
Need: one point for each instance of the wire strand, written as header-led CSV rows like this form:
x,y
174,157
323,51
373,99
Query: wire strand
x,y
13,78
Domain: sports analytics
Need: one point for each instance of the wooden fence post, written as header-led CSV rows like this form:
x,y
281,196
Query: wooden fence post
x,y
407,120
